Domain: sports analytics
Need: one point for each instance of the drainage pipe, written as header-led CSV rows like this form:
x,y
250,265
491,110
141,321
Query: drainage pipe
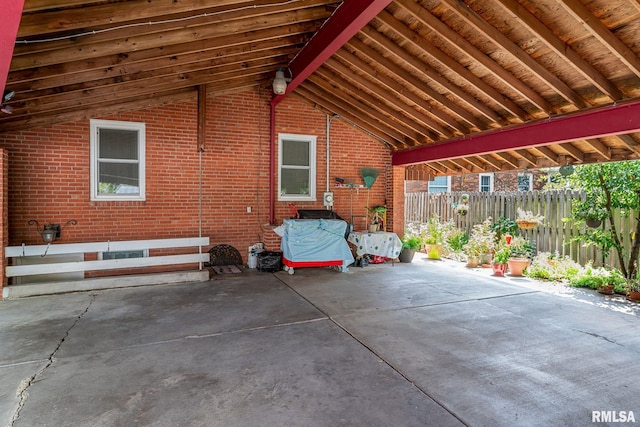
x,y
272,161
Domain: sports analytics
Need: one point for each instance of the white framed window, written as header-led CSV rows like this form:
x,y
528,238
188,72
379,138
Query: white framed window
x,y
525,182
440,184
296,167
485,182
117,160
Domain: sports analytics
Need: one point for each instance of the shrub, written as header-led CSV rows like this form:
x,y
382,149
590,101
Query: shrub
x,y
551,266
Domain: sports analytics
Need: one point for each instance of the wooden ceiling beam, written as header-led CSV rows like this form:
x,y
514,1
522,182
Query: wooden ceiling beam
x,y
373,111
621,118
436,130
527,157
396,112
115,66
477,163
344,23
416,87
573,151
314,96
601,149
523,58
492,161
354,114
46,54
57,20
420,68
603,34
508,158
548,154
446,61
630,143
457,42
563,50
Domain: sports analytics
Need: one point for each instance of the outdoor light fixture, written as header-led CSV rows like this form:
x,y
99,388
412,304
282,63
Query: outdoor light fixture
x,y
280,82
6,97
50,232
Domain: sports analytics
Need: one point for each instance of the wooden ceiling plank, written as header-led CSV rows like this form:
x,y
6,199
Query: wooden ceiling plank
x,y
527,157
476,163
548,154
596,122
416,84
373,111
630,143
600,148
116,65
58,19
40,58
114,93
461,44
345,109
573,151
384,92
508,158
603,34
497,164
444,60
359,91
424,69
343,24
459,165
563,50
502,41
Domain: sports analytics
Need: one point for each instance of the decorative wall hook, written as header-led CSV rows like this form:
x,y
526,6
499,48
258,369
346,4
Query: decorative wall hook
x,y
50,231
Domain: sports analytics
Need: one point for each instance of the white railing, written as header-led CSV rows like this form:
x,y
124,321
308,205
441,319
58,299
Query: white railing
x,y
104,247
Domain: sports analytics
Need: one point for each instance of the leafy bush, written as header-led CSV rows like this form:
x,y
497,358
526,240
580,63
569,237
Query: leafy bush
x,y
594,277
551,266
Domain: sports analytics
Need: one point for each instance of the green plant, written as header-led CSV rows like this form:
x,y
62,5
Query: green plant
x,y
457,239
504,226
411,242
433,231
594,277
520,247
482,239
501,256
551,266
376,214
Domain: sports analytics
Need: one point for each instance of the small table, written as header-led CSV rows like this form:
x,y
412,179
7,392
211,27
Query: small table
x,y
381,243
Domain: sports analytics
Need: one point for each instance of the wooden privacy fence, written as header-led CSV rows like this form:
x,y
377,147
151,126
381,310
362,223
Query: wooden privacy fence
x,y
555,234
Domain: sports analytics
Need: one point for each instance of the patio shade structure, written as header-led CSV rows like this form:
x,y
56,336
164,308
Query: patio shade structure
x,y
435,81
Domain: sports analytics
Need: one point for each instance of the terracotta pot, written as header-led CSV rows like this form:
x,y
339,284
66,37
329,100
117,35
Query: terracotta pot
x,y
517,266
472,263
606,289
634,296
499,269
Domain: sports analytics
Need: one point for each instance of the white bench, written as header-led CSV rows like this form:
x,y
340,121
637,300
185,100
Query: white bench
x,y
42,267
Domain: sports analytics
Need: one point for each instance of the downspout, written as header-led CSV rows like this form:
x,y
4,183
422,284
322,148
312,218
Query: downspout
x,y
272,160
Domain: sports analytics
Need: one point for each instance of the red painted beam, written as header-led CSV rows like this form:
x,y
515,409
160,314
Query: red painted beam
x,y
598,122
11,14
345,22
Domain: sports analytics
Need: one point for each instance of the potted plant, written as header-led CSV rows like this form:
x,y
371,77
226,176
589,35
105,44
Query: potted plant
x,y
433,237
520,253
376,218
500,258
410,244
462,209
481,243
589,211
633,292
527,220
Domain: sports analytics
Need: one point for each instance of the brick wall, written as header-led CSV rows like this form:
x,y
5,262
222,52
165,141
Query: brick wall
x,y
502,181
49,174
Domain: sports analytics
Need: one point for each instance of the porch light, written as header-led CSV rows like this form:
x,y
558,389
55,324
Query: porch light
x,y
280,83
50,232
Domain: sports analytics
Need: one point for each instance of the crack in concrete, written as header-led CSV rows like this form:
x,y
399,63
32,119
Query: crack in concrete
x,y
23,389
593,334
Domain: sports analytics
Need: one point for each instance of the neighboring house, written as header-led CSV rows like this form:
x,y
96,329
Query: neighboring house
x,y
483,182
140,175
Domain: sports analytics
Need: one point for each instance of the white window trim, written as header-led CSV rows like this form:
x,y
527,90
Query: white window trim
x,y
448,190
490,175
112,124
312,140
530,181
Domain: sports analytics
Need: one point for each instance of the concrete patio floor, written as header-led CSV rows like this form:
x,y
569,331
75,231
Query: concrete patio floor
x,y
423,344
